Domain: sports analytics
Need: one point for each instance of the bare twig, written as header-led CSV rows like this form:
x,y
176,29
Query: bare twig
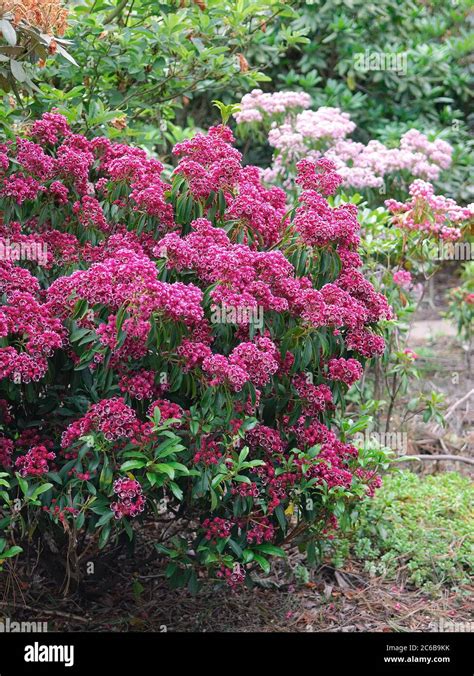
x,y
116,12
459,458
458,403
40,611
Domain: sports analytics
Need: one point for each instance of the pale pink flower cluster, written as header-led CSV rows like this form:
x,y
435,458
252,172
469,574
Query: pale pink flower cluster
x,y
255,105
430,213
402,278
365,166
309,130
313,133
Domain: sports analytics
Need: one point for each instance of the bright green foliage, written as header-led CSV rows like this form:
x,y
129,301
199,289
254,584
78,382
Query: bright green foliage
x,y
418,529
142,62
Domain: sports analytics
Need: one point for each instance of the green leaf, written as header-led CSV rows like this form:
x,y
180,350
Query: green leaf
x,y
268,548
104,536
166,469
23,484
262,562
41,489
105,519
176,490
132,464
13,551
8,32
280,515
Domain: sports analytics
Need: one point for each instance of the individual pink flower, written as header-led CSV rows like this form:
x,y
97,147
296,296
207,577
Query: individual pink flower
x,y
403,278
131,501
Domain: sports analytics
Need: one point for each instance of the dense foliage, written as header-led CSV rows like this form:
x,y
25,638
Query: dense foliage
x,y
190,343
417,530
144,66
435,36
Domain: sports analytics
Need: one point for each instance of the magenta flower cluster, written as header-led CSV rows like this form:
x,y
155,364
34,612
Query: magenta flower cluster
x,y
131,501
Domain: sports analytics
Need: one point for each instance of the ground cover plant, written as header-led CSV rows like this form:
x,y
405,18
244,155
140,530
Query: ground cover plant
x,y
417,531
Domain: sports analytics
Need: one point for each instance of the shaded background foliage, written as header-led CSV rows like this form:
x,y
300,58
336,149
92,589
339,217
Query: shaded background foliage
x,y
148,71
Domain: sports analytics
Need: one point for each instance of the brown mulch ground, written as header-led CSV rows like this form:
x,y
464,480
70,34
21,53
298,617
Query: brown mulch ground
x,y
344,600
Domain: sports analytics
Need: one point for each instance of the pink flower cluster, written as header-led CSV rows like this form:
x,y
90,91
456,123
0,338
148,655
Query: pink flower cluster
x,y
111,417
138,384
371,479
246,490
127,279
365,342
50,128
257,105
34,331
248,278
131,501
366,166
347,371
234,578
20,188
429,213
66,170
316,398
168,409
248,362
319,175
403,278
332,464
35,462
266,438
310,130
217,529
208,453
311,134
211,164
260,532
262,211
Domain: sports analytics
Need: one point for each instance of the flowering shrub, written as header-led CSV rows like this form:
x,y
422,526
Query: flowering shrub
x,y
430,214
122,395
296,132
29,33
461,306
